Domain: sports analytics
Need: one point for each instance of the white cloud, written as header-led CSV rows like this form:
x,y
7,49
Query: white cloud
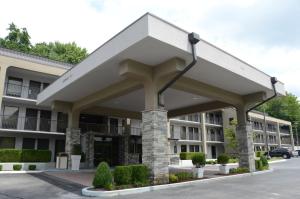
x,y
91,22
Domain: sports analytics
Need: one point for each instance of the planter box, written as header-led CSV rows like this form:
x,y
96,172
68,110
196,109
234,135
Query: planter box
x,y
75,162
224,169
198,172
62,162
8,166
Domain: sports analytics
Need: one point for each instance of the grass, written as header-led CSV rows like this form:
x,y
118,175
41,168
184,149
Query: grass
x,y
274,159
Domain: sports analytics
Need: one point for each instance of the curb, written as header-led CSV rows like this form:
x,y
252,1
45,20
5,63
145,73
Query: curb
x,y
19,172
277,161
87,192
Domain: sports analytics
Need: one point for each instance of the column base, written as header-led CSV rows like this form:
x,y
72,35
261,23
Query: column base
x,y
155,145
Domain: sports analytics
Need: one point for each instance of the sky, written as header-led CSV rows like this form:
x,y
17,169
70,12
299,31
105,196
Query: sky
x,y
264,33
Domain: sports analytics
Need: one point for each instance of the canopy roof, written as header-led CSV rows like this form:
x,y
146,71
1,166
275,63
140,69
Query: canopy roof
x,y
152,41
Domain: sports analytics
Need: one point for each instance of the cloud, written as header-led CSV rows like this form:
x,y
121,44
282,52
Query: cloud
x,y
262,33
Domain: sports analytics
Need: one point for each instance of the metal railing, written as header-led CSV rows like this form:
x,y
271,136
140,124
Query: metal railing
x,y
215,138
213,120
16,90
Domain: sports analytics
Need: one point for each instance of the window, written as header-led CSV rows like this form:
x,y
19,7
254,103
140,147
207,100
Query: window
x,y
31,119
197,148
28,143
183,148
45,85
45,120
14,87
7,142
193,133
10,117
113,125
62,122
183,133
34,89
43,144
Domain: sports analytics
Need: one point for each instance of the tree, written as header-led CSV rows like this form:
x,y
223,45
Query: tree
x,y
230,137
19,39
285,107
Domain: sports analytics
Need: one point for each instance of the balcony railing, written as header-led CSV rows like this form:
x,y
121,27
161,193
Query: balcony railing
x,y
215,138
32,124
214,120
16,90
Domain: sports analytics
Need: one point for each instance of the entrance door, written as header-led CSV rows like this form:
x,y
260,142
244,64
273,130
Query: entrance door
x,y
106,149
213,152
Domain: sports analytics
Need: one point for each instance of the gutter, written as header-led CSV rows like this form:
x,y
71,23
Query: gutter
x,y
193,39
273,82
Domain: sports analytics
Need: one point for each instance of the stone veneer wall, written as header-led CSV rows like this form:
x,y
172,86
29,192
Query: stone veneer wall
x,y
155,144
72,138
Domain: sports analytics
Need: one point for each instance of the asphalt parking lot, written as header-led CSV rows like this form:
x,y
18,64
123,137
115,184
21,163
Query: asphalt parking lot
x,y
282,183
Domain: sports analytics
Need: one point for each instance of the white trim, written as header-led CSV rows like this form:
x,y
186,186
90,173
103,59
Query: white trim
x,y
19,98
28,131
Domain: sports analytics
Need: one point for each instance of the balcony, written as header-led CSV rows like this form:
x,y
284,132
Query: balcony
x,y
215,138
32,124
16,90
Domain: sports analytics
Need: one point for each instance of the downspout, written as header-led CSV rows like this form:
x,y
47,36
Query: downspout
x,y
273,82
193,39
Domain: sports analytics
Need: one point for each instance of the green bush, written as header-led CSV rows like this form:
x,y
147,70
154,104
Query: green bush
x,y
187,155
173,178
183,176
199,160
264,161
76,150
17,167
122,175
260,153
258,165
32,167
10,155
233,160
31,155
140,174
0,167
223,159
211,162
103,177
239,170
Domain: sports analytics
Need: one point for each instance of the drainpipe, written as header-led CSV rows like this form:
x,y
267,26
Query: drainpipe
x,y
193,39
273,82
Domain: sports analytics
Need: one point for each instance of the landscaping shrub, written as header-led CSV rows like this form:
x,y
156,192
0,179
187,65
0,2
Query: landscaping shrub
x,y
258,165
17,167
122,175
264,161
183,176
32,167
31,155
187,155
233,160
103,177
211,162
10,155
0,167
239,170
140,174
223,159
199,160
173,178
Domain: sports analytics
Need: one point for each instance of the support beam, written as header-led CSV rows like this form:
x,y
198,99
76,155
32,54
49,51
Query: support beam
x,y
198,108
110,92
97,110
199,88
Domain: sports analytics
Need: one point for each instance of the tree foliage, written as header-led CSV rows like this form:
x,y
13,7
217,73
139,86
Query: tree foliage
x,y
19,39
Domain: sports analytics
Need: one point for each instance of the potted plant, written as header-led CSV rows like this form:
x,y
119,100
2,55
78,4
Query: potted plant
x,y
199,161
76,156
223,161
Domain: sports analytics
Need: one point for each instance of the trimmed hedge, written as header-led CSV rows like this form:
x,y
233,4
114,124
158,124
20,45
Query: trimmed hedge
x,y
17,167
199,160
103,177
32,167
183,176
122,175
25,155
223,159
10,155
188,155
140,174
29,155
239,170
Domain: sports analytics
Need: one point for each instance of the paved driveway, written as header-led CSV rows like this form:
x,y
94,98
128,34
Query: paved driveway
x,y
282,183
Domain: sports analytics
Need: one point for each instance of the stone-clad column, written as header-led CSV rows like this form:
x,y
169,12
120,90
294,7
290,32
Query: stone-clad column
x,y
244,137
90,150
72,138
155,144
